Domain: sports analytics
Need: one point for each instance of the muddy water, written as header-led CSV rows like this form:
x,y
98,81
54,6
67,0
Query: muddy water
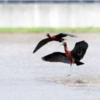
x,y
25,72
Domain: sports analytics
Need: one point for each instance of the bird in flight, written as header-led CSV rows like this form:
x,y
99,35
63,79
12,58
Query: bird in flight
x,y
70,57
58,37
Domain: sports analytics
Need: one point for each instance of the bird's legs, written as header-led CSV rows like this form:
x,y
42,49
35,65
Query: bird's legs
x,y
71,68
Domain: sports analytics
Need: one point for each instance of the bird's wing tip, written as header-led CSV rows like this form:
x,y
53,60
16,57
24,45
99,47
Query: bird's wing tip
x,y
43,58
33,52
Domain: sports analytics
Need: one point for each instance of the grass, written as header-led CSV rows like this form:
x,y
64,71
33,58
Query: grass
x,y
49,30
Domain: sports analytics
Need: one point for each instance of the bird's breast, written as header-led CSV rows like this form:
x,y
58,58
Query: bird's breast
x,y
69,55
54,38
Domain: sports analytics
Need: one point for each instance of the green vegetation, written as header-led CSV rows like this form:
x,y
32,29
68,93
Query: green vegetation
x,y
49,30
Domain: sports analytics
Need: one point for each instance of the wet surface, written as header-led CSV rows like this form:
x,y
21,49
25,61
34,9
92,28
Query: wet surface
x,y
24,76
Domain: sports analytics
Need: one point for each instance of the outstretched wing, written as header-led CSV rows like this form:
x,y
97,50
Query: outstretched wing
x,y
79,50
42,43
60,35
56,57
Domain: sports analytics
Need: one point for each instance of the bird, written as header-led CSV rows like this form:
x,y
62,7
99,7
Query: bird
x,y
58,37
71,57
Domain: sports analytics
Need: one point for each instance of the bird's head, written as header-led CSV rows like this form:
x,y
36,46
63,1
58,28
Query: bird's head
x,y
65,44
48,35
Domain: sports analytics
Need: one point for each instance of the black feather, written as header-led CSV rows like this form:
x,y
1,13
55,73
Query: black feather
x,y
60,35
42,43
56,57
78,62
79,50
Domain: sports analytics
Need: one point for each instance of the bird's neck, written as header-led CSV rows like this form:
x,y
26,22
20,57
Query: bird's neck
x,y
48,35
67,51
69,55
53,38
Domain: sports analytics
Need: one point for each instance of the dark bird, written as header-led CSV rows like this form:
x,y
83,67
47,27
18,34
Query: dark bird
x,y
70,57
58,38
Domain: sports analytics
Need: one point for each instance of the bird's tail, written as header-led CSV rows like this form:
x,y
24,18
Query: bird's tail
x,y
78,63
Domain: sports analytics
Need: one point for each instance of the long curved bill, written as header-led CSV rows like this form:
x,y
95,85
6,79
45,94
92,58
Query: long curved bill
x,y
61,44
65,39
